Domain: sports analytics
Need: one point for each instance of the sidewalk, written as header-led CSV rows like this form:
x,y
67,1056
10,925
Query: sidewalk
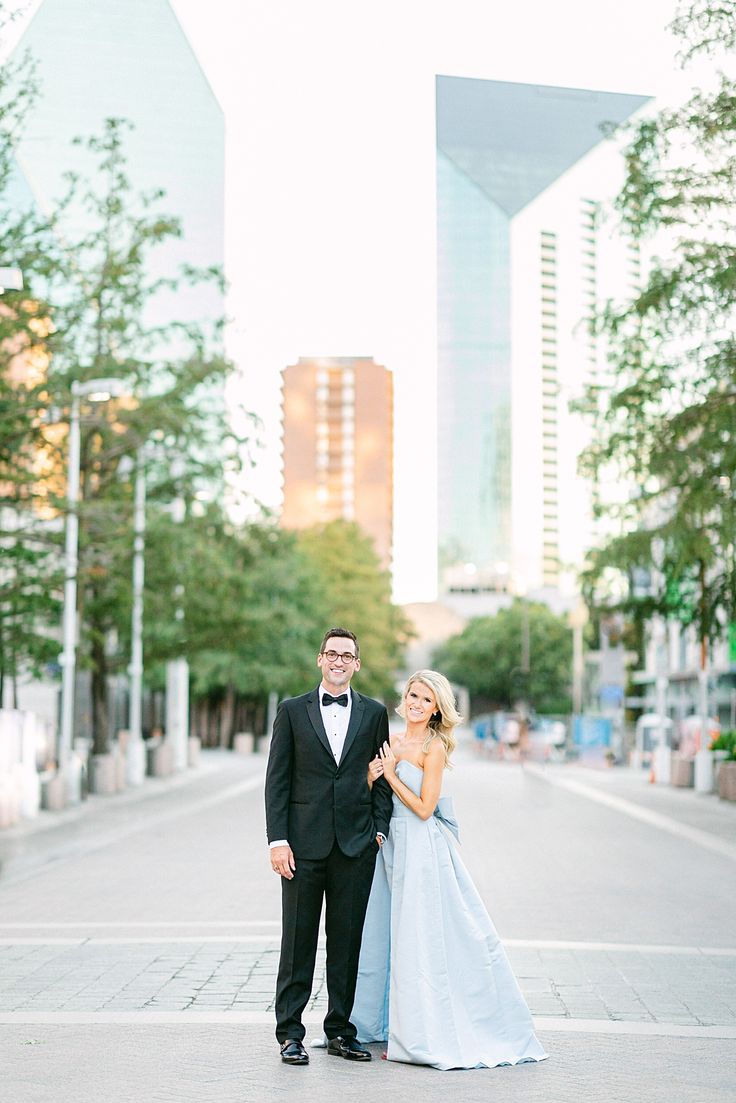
x,y
619,786
139,944
98,820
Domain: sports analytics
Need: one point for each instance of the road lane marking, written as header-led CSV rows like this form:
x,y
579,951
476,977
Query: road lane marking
x,y
637,812
203,924
259,1018
615,947
620,1026
273,940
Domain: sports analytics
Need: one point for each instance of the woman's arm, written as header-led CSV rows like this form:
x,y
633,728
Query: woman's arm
x,y
434,763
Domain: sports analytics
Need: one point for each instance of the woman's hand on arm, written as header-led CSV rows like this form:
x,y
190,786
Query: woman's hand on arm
x,y
388,763
434,763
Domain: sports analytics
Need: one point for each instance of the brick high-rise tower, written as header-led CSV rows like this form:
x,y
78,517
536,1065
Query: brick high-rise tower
x,y
338,445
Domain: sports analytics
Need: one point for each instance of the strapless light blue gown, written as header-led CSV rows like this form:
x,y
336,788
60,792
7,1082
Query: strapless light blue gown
x,y
434,980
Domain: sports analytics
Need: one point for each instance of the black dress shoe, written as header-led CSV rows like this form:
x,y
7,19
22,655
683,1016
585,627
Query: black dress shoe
x,y
348,1048
294,1053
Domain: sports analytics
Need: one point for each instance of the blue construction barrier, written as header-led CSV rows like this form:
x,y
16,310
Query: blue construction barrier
x,y
592,731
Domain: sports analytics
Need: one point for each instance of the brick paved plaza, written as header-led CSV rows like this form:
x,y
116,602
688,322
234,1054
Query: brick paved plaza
x,y
139,943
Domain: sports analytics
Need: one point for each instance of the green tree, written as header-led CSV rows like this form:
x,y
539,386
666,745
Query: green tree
x,y
248,598
104,299
28,545
486,657
355,592
668,424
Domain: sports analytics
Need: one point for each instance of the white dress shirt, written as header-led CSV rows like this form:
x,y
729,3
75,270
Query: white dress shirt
x,y
336,719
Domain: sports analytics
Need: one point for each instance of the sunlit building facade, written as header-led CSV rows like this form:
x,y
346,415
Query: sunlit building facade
x,y
523,173
131,61
337,416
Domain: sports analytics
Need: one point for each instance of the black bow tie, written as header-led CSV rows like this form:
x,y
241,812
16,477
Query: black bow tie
x,y
327,699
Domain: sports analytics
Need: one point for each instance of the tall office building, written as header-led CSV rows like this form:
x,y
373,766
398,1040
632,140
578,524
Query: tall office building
x,y
133,61
338,445
523,259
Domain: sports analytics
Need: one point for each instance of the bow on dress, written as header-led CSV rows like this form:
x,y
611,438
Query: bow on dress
x,y
445,813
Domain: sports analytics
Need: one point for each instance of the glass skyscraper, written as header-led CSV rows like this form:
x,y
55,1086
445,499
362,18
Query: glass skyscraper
x,y
500,147
131,60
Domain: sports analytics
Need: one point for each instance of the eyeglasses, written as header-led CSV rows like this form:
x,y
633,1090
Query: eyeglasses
x,y
332,656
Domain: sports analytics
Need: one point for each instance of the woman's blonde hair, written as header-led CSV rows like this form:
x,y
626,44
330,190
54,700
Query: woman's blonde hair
x,y
445,718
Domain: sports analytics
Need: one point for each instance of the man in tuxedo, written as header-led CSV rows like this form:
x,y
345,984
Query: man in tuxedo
x,y
325,826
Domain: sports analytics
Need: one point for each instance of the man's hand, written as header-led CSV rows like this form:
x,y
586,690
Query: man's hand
x,y
380,839
282,861
375,770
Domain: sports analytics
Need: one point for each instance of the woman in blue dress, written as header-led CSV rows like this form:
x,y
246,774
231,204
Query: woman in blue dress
x,y
434,981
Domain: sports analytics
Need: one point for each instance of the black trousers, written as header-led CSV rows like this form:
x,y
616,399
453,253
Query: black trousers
x,y
345,885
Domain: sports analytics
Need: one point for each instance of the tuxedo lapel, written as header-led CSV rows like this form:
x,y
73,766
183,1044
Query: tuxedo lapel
x,y
356,719
313,711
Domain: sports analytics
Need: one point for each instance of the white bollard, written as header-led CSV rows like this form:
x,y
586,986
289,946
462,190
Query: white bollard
x,y
704,778
30,801
135,761
662,764
73,779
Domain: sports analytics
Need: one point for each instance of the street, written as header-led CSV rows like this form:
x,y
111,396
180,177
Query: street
x,y
139,943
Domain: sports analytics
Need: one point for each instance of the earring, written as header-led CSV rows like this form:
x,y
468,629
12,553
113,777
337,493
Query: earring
x,y
436,716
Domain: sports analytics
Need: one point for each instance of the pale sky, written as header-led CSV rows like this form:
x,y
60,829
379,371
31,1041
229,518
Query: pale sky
x,y
330,170
330,185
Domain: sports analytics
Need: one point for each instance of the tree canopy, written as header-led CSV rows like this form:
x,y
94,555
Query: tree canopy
x,y
486,657
667,426
355,593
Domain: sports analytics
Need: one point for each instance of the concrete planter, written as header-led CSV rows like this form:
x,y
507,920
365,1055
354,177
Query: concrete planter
x,y
53,792
120,779
160,759
194,746
244,743
727,781
682,772
102,774
10,798
719,757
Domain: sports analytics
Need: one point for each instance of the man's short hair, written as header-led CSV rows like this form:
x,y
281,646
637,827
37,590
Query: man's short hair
x,y
343,633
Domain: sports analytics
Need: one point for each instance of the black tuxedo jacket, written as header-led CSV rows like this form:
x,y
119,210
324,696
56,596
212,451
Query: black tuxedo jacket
x,y
310,799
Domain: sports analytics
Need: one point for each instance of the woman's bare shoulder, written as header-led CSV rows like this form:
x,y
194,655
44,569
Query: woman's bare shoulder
x,y
435,752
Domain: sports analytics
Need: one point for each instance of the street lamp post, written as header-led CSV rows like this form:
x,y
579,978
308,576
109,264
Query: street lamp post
x,y
94,390
662,751
577,620
135,751
704,774
67,659
177,670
